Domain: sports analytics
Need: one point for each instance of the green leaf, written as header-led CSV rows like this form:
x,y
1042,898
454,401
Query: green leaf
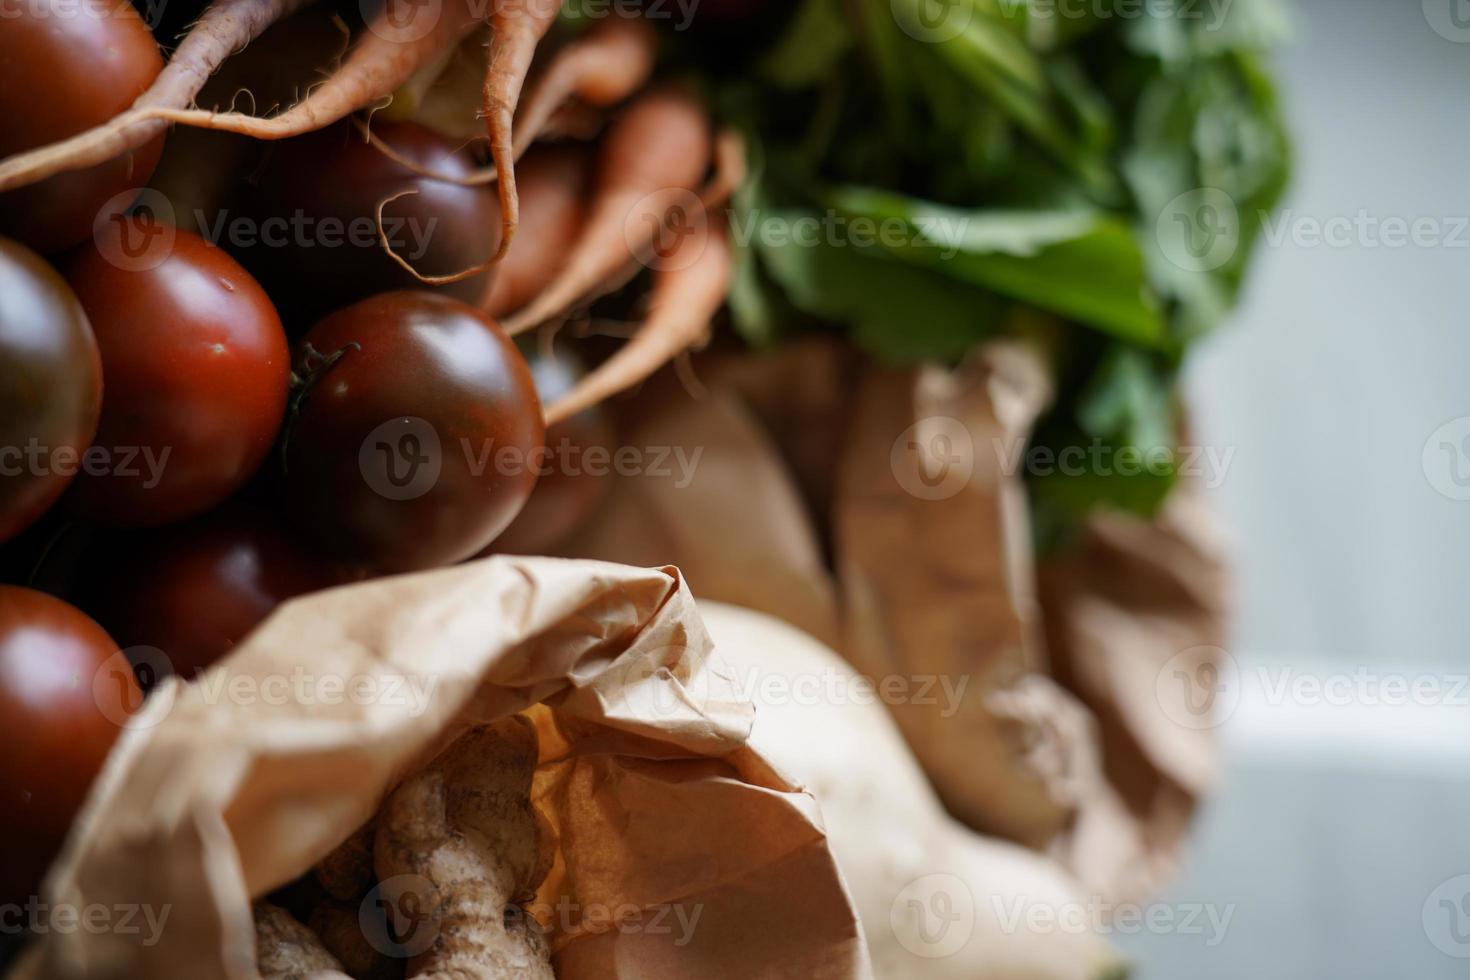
x,y
808,52
1117,446
896,311
1082,265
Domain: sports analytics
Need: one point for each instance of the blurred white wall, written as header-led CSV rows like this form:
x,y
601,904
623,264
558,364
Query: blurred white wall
x,y
1342,825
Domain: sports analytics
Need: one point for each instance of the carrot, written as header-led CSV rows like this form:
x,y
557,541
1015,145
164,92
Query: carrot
x,y
685,298
517,27
604,67
384,57
654,154
226,26
553,182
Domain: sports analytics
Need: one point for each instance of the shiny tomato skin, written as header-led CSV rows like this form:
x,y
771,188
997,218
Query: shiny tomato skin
x,y
63,693
50,386
328,184
196,369
414,447
566,494
195,590
64,68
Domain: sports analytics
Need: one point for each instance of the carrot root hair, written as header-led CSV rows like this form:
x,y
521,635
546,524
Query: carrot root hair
x,y
223,28
685,299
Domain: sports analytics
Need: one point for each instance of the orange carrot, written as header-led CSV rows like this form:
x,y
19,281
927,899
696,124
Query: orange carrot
x,y
384,57
685,298
604,67
648,164
225,27
553,183
517,27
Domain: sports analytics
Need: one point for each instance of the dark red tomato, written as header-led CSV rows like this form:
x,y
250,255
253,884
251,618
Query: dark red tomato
x,y
64,68
414,444
568,490
195,590
64,692
203,174
315,242
50,386
196,370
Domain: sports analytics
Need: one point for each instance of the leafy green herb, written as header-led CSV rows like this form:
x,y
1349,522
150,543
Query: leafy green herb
x,y
932,168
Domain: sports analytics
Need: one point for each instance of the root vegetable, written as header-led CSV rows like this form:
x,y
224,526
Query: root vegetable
x,y
384,57
651,160
287,950
553,182
606,66
347,873
905,860
516,26
226,26
387,57
339,927
65,68
458,844
685,298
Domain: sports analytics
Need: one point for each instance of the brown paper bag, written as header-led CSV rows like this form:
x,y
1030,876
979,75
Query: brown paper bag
x,y
1134,617
934,557
809,503
228,787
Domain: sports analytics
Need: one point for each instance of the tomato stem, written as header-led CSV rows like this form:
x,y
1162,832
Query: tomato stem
x,y
313,365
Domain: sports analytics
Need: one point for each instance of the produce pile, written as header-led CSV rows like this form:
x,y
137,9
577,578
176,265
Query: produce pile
x,y
295,296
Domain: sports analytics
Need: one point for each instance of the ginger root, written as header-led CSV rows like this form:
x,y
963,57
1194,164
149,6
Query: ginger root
x,y
347,873
457,845
287,950
341,931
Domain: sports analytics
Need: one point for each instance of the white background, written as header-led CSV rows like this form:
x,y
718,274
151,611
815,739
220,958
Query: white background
x,y
1337,821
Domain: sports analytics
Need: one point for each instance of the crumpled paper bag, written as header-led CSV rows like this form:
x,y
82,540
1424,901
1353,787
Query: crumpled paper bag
x,y
228,787
882,511
1135,616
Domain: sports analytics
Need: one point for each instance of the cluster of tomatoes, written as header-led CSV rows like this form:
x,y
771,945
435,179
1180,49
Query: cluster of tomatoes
x,y
217,393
